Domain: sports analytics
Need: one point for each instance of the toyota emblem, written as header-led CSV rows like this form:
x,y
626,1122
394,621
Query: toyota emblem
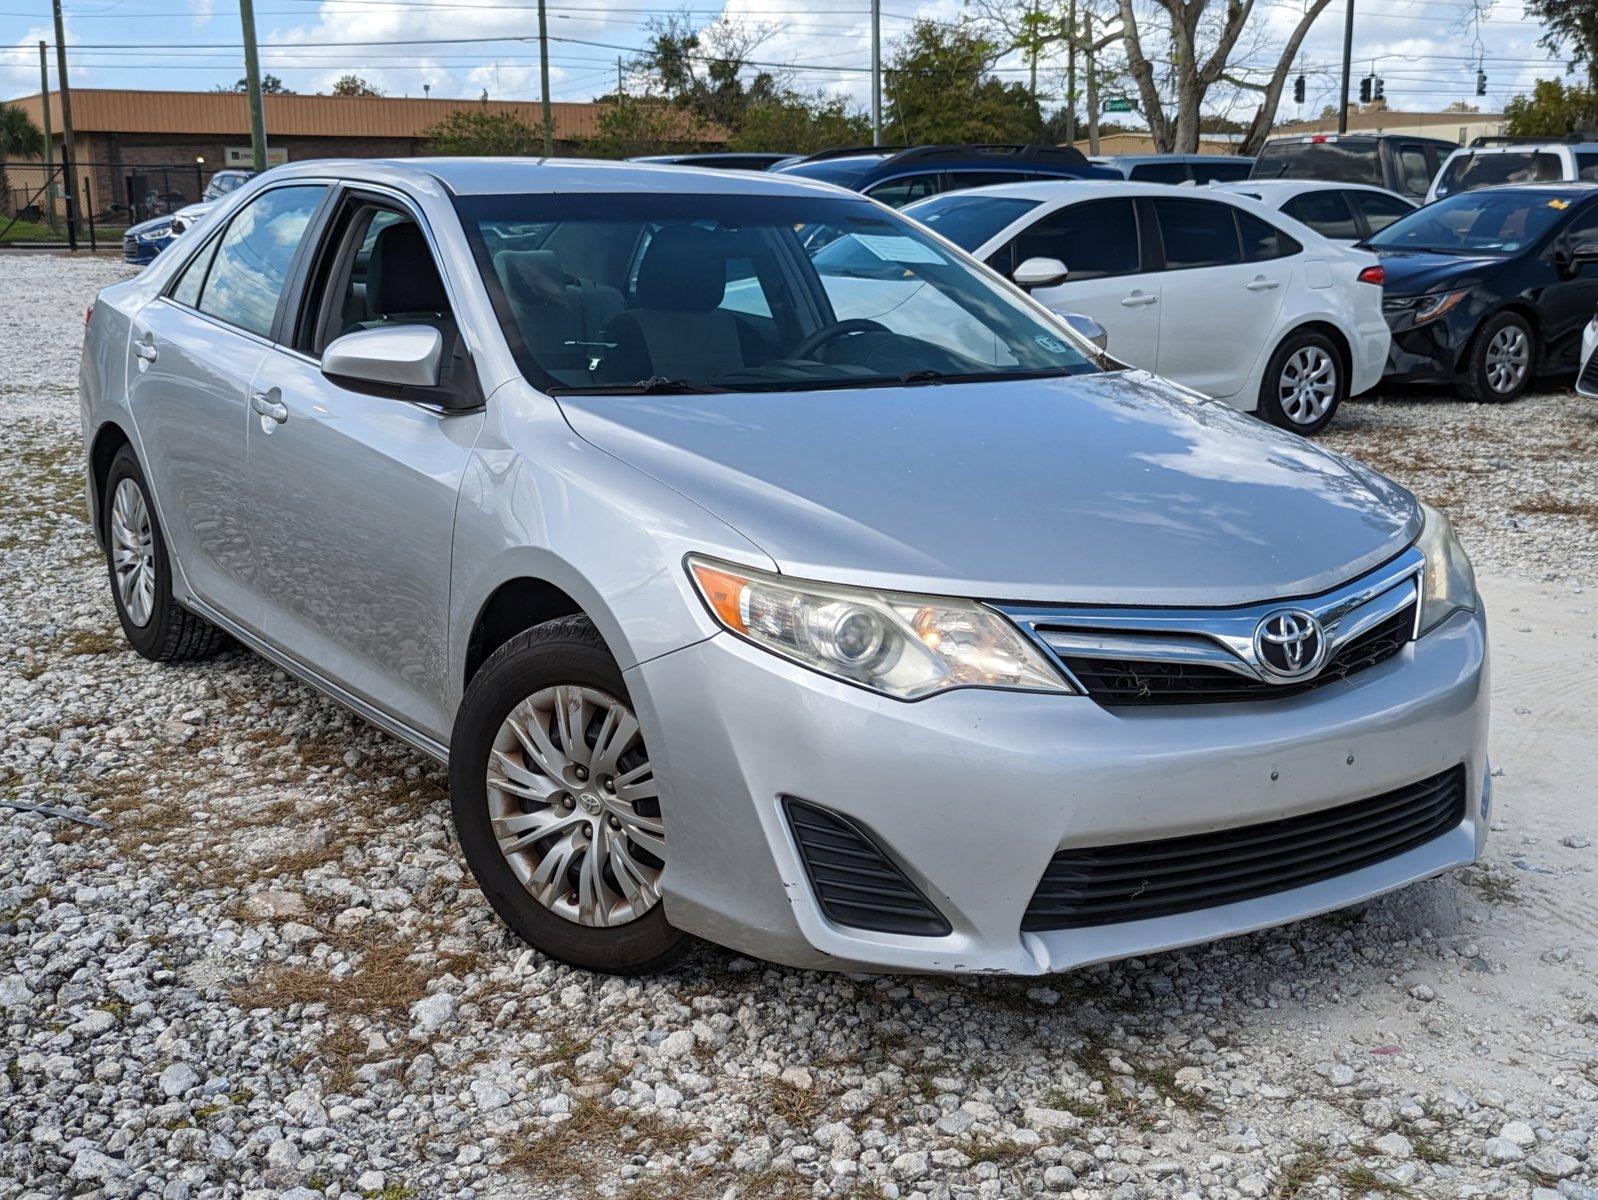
x,y
1289,643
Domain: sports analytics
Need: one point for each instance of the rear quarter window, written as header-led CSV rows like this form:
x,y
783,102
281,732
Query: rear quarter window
x,y
1337,162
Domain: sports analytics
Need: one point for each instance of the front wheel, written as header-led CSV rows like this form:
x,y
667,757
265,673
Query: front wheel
x,y
1500,363
1304,383
556,805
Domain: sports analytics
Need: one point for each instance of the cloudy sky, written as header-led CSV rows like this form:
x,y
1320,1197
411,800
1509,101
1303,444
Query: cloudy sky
x,y
1426,50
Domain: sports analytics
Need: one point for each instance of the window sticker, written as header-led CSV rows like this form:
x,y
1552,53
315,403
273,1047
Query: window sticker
x,y
1052,345
1561,205
896,248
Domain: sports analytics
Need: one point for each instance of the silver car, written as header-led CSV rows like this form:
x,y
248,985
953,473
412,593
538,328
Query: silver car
x,y
927,638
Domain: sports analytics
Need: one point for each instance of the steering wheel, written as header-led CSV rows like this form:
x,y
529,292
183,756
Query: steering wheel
x,y
831,333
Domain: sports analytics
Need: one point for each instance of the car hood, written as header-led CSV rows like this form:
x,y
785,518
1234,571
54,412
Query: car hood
x,y
1106,488
1416,272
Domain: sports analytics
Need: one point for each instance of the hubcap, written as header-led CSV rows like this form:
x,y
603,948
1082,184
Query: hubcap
x,y
133,552
1508,356
1308,385
572,799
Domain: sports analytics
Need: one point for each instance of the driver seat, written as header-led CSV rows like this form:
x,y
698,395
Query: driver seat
x,y
675,330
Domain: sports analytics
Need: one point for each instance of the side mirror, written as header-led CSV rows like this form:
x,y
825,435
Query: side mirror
x,y
388,357
1040,272
1584,250
1088,328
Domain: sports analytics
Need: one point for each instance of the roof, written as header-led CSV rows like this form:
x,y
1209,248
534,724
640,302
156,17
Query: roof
x,y
1134,159
1300,137
110,110
498,176
1295,186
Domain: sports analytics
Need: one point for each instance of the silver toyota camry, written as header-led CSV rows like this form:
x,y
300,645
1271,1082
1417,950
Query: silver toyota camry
x,y
768,571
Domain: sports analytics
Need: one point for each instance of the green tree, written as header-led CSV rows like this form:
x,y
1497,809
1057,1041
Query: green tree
x,y
1552,110
271,85
800,125
632,125
940,88
704,70
354,85
19,136
477,132
1570,28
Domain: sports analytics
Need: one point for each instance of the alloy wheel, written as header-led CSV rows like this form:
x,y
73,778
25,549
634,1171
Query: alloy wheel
x,y
1508,357
573,805
1308,385
133,552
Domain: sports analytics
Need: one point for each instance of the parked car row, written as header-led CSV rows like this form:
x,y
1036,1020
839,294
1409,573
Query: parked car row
x,y
773,573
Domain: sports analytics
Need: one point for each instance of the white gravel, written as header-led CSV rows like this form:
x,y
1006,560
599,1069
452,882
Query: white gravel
x,y
269,974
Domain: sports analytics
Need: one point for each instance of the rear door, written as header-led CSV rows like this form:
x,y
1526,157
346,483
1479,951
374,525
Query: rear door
x,y
1101,245
352,493
1327,212
1413,168
1377,210
1208,283
193,353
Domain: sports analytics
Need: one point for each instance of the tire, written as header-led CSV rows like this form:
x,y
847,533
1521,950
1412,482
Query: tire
x,y
140,571
1305,383
1496,372
599,913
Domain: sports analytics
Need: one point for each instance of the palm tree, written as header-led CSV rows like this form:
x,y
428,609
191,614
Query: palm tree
x,y
19,136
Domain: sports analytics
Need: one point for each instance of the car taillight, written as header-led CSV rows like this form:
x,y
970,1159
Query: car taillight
x,y
1376,275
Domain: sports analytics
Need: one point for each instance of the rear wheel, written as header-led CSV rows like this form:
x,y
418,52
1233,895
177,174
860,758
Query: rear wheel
x,y
155,624
1501,359
556,806
1304,383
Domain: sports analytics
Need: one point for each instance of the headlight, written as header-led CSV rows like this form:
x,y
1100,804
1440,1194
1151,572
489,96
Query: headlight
x,y
1448,583
901,645
1429,308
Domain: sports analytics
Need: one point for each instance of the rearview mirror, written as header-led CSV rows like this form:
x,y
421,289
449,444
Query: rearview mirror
x,y
1040,272
390,356
1088,328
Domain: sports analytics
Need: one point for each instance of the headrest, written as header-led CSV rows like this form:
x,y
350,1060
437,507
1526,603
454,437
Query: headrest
x,y
685,268
534,276
401,276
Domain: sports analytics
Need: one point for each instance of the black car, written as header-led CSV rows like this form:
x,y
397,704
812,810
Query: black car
x,y
1397,162
1486,289
900,175
720,160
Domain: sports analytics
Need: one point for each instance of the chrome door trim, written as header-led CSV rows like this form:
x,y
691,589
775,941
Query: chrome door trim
x,y
367,712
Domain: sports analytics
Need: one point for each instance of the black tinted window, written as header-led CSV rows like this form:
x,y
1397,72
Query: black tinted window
x,y
972,179
1220,172
1337,162
968,221
1466,171
896,193
1197,233
1262,240
1587,166
1093,240
1160,172
253,257
1327,213
1379,211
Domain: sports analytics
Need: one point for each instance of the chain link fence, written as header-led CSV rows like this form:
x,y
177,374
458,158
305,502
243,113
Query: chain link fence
x,y
111,197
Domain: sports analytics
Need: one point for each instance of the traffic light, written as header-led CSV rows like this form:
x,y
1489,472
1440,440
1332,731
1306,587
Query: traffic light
x,y
1378,88
1365,89
1298,90
1481,83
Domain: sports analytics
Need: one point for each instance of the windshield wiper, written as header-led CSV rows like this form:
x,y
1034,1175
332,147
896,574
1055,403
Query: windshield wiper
x,y
655,385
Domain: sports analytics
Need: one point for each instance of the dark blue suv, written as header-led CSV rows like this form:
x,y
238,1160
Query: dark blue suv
x,y
898,175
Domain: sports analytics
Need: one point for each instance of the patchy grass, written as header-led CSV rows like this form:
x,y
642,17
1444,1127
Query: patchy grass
x,y
1550,505
1492,888
797,1106
91,641
385,980
1299,1175
1360,1180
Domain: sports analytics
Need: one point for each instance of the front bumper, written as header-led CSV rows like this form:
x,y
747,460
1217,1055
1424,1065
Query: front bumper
x,y
1433,352
972,792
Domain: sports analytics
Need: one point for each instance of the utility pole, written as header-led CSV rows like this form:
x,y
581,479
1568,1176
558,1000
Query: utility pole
x,y
1032,57
1348,50
1070,77
252,82
69,178
543,78
1093,82
876,72
49,138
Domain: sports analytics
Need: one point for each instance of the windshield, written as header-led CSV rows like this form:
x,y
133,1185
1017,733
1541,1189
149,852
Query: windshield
x,y
968,221
1465,171
659,293
1475,223
1338,162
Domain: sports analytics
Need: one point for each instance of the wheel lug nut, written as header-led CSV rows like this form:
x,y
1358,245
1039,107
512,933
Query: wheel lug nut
x,y
568,802
580,772
614,823
571,897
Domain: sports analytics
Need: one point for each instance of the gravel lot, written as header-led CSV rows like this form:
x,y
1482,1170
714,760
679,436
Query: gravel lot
x,y
266,972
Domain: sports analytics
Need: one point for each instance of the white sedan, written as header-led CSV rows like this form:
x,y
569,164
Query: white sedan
x,y
1343,212
1211,290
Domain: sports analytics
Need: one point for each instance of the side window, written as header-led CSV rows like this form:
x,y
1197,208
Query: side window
x,y
958,180
744,292
1414,171
896,193
1093,240
1197,233
1219,172
1262,240
1378,210
1586,166
192,280
253,258
1326,212
1160,172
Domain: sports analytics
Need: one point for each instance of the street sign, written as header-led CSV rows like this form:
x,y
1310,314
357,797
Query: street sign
x,y
1117,104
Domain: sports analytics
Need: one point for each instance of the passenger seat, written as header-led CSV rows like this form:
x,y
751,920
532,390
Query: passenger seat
x,y
562,319
403,285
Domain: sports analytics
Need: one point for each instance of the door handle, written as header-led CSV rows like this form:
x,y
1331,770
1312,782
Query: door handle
x,y
1138,300
263,403
1261,284
145,350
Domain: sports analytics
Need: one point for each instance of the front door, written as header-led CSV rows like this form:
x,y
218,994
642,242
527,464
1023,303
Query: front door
x,y
192,355
352,495
1571,296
